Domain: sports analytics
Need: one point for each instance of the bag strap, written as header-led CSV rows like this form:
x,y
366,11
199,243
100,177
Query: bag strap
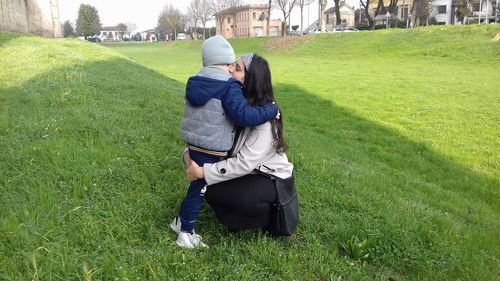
x,y
269,176
273,178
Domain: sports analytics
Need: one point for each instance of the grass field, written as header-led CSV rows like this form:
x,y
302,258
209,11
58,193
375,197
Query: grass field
x,y
394,135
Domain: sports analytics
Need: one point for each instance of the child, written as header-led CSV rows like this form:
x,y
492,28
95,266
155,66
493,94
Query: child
x,y
214,105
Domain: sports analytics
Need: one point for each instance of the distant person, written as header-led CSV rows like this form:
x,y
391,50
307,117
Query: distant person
x,y
214,104
241,198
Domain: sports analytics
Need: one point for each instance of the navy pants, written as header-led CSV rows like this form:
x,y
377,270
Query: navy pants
x,y
191,205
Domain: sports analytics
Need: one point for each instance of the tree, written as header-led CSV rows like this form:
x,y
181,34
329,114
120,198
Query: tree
x,y
193,15
322,8
122,28
301,4
380,10
286,7
420,12
170,20
206,14
365,6
338,20
88,22
463,9
68,30
268,17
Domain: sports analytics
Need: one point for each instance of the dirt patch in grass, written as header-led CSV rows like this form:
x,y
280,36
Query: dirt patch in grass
x,y
285,43
496,38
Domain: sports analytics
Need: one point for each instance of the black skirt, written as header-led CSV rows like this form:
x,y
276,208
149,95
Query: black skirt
x,y
242,203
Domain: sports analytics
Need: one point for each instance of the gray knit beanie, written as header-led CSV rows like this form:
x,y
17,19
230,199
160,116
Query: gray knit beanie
x,y
216,50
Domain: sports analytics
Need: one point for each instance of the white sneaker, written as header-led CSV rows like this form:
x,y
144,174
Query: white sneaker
x,y
176,225
190,241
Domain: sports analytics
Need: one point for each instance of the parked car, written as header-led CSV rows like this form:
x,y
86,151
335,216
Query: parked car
x,y
181,36
313,31
94,39
137,37
344,29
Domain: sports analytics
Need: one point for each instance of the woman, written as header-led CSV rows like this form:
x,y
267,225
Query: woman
x,y
241,198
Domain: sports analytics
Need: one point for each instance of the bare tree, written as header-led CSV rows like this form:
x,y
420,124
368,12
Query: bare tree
x,y
193,16
382,9
206,14
286,7
170,20
420,12
366,4
301,4
393,5
463,9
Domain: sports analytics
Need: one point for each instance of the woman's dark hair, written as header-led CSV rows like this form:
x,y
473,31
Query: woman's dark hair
x,y
259,91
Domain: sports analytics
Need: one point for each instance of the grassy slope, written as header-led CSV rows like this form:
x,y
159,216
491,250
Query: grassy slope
x,y
397,147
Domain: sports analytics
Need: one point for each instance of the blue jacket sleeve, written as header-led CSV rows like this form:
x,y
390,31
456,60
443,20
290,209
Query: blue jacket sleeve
x,y
243,114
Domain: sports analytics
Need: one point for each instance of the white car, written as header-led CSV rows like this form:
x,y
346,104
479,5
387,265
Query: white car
x,y
181,36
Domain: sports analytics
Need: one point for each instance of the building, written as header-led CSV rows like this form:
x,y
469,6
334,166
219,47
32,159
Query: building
x,y
442,11
346,16
112,33
245,21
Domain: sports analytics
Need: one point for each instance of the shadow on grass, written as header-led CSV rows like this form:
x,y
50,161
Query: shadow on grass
x,y
91,155
363,182
90,158
7,36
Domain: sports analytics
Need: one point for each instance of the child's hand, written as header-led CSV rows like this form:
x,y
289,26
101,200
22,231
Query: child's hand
x,y
194,172
186,159
278,115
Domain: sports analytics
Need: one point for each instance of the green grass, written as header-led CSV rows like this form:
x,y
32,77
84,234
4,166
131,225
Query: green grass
x,y
394,136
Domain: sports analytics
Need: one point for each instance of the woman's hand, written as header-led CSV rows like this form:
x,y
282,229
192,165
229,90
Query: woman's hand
x,y
194,172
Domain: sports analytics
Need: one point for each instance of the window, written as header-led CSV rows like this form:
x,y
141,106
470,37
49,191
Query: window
x,y
228,20
254,15
327,19
475,7
441,9
404,12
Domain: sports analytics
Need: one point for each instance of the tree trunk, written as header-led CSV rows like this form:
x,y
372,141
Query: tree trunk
x,y
283,25
268,19
322,15
338,20
301,20
221,21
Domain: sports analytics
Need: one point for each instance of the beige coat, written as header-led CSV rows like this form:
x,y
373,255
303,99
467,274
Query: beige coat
x,y
254,149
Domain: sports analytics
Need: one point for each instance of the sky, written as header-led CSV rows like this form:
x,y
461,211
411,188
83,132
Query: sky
x,y
144,13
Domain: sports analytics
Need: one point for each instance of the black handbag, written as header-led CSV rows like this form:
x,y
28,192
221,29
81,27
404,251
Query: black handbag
x,y
285,212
